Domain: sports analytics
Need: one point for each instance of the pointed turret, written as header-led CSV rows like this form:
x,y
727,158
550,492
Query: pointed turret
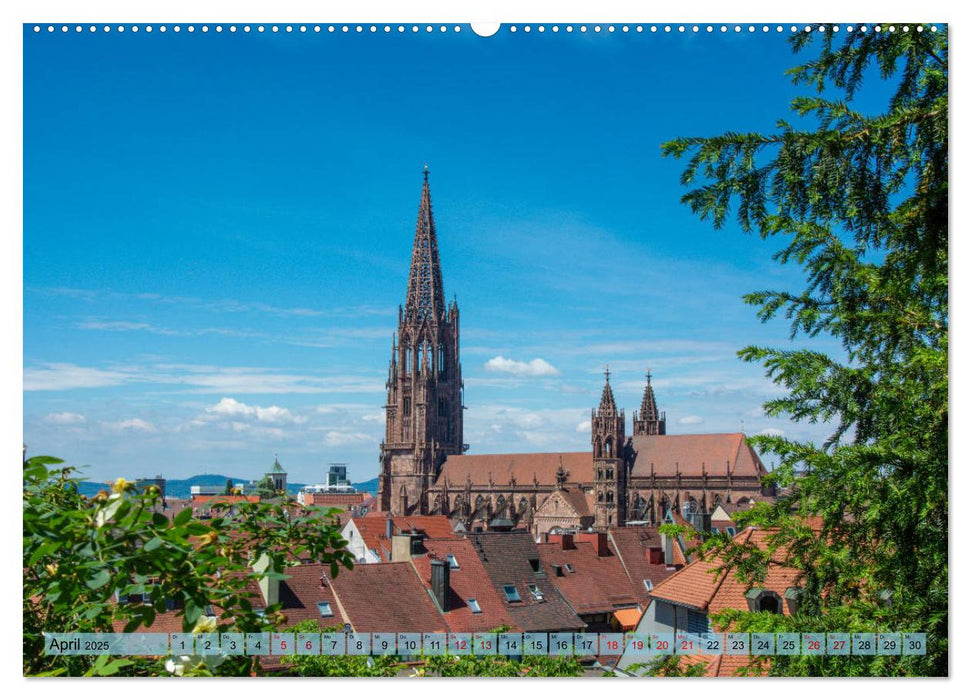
x,y
426,298
607,404
649,421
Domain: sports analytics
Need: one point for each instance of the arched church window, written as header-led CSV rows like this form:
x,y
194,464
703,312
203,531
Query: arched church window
x,y
441,359
600,474
598,448
442,408
600,496
421,354
407,362
610,497
610,473
609,448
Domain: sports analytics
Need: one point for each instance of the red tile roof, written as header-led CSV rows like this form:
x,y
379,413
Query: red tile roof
x,y
387,598
596,584
509,558
699,587
468,581
333,500
634,546
668,454
222,498
524,467
373,528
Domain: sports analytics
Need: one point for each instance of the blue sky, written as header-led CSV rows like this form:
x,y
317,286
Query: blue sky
x,y
217,231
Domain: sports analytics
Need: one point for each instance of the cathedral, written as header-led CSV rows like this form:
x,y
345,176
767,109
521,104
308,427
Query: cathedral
x,y
622,479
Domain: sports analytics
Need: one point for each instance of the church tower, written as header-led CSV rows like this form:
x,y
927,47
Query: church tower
x,y
649,421
423,413
609,469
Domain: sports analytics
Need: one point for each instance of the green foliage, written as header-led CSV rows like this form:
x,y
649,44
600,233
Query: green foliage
x,y
668,667
357,666
501,666
860,204
78,553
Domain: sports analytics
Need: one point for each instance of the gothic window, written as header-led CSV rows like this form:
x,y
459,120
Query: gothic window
x,y
407,362
442,408
610,497
523,504
407,407
609,448
600,496
600,474
421,354
598,449
441,359
610,473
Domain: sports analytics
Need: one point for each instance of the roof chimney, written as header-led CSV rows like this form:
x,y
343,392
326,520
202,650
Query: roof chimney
x,y
269,587
667,544
655,555
440,583
401,548
566,540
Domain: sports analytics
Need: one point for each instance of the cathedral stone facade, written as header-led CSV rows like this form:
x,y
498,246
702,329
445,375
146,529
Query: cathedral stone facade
x,y
622,479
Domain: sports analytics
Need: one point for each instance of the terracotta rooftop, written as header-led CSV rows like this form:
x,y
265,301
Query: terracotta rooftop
x,y
524,467
373,528
468,581
700,586
387,598
511,558
597,584
633,546
687,453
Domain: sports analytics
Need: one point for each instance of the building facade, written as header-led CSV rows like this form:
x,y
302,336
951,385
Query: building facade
x,y
622,479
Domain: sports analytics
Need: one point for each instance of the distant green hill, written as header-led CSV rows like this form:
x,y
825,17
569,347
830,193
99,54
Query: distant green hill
x,y
181,488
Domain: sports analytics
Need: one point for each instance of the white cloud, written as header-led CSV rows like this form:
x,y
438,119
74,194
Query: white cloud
x,y
774,432
132,425
57,376
336,438
536,367
228,407
65,418
691,420
583,426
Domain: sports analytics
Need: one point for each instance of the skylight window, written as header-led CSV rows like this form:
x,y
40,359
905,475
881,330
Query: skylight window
x,y
569,567
535,591
323,607
512,595
730,531
648,585
453,563
474,605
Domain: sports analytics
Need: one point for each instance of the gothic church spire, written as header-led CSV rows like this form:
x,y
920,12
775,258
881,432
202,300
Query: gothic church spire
x,y
426,298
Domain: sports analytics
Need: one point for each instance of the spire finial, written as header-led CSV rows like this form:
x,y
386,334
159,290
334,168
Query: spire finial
x,y
607,372
425,172
648,375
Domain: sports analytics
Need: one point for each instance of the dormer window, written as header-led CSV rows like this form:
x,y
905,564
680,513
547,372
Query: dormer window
x,y
512,595
323,607
730,530
453,563
535,591
534,564
760,600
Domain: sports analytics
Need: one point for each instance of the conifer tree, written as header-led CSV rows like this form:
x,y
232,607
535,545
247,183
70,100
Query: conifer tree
x,y
859,202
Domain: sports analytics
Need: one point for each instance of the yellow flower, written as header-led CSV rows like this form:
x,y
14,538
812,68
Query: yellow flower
x,y
51,569
206,624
